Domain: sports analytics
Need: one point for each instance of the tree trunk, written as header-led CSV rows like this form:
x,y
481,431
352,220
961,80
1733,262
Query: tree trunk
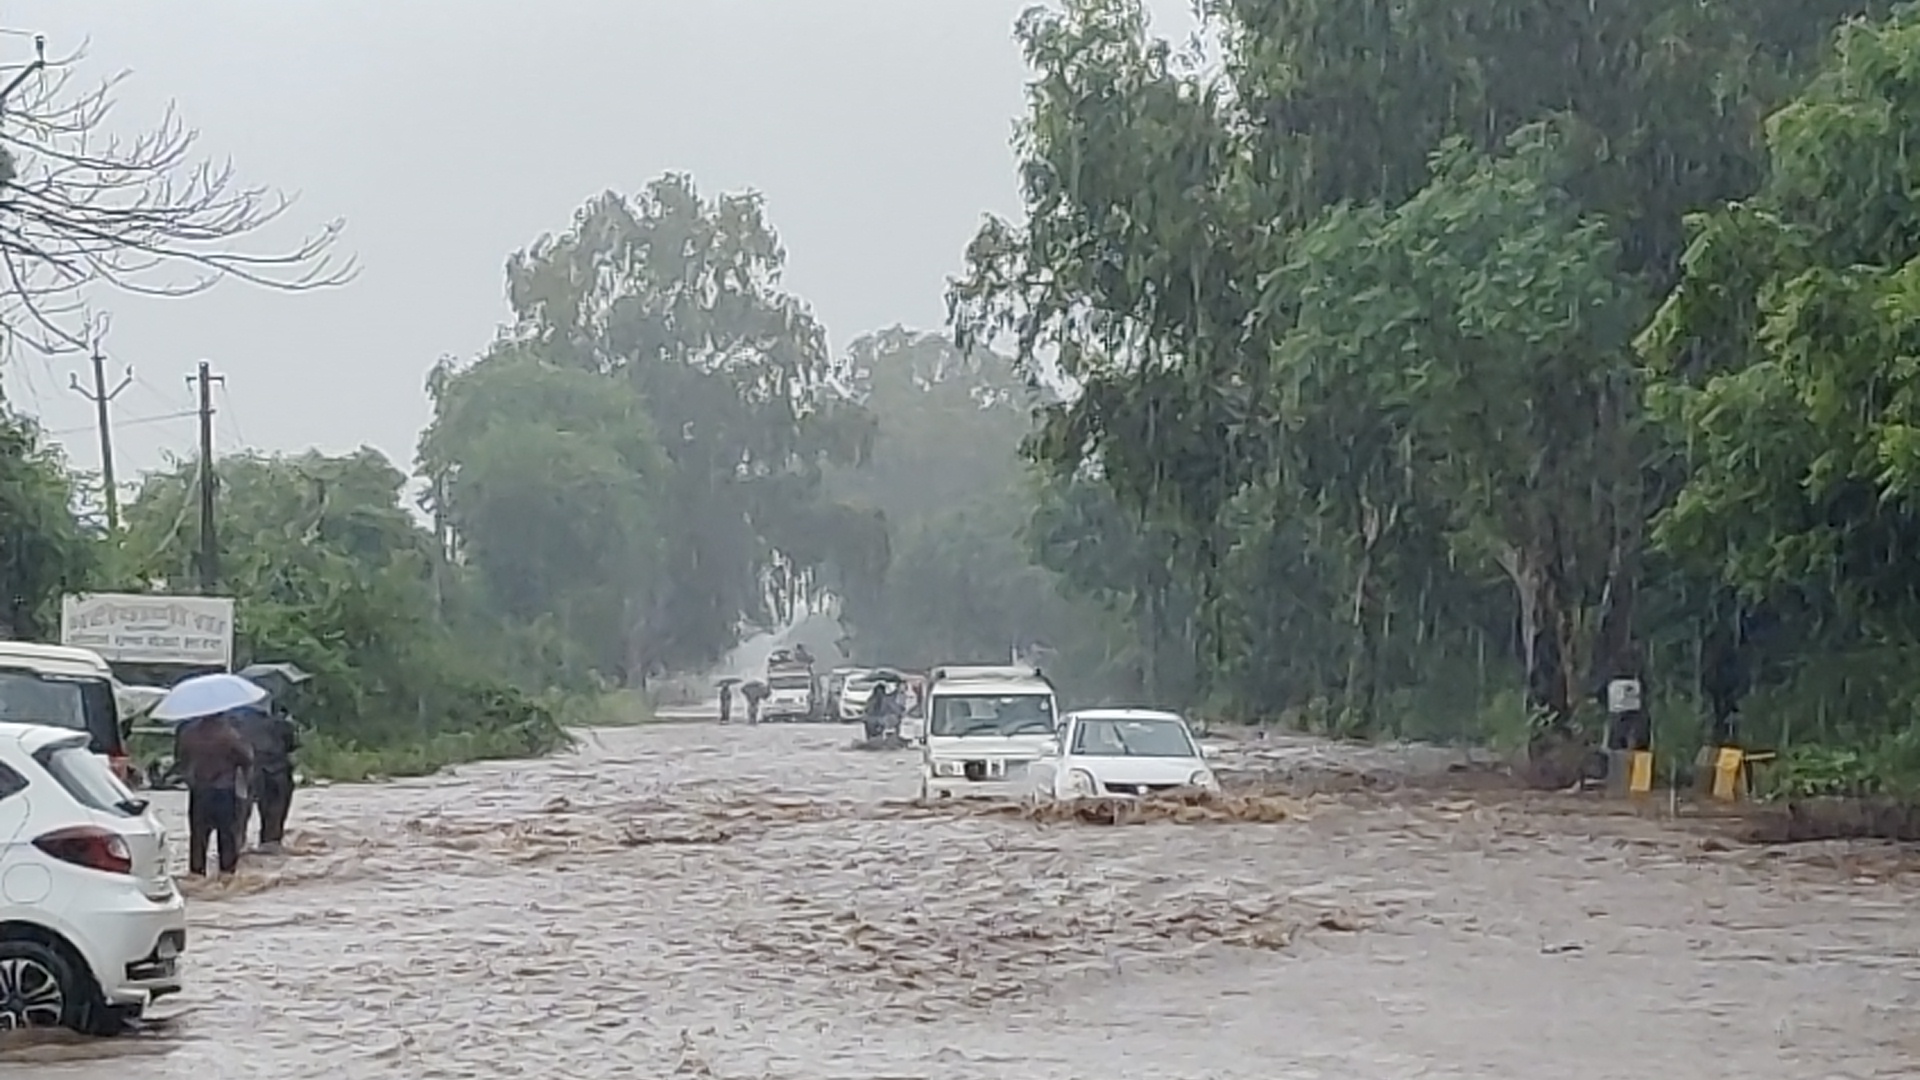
x,y
1617,653
1150,663
1364,656
1357,714
1555,752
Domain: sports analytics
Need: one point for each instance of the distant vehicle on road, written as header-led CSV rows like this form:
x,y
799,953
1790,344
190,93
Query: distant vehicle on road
x,y
855,692
790,687
832,685
91,926
1121,752
985,726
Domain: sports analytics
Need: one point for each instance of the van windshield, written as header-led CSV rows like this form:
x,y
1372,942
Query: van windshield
x,y
28,697
996,714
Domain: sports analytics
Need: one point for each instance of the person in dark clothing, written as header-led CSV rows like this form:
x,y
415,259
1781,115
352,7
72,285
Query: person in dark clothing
x,y
755,692
726,703
273,739
215,759
883,712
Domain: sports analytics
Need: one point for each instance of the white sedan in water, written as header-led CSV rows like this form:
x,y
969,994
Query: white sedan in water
x,y
1121,752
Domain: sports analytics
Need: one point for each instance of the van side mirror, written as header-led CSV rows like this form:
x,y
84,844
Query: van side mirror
x,y
1209,751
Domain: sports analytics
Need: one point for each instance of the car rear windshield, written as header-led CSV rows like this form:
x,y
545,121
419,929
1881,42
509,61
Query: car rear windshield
x,y
791,682
28,697
88,780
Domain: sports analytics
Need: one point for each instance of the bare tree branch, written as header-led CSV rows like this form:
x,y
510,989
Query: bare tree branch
x,y
80,206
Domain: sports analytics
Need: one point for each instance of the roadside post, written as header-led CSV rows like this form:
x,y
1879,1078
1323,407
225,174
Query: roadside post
x,y
1630,759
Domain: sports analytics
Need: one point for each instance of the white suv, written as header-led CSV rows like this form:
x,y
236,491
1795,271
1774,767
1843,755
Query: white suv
x,y
91,926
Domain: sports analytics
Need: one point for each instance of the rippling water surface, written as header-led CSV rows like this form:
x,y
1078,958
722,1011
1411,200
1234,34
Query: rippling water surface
x,y
692,900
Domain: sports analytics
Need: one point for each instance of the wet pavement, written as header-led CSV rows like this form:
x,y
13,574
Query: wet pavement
x,y
692,900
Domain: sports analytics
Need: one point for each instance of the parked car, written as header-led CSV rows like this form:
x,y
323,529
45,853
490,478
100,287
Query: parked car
x,y
855,691
91,925
67,687
1121,752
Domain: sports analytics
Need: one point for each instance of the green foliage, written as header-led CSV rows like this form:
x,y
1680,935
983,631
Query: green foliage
x,y
1787,385
549,479
945,482
1415,370
1348,321
640,458
331,572
45,550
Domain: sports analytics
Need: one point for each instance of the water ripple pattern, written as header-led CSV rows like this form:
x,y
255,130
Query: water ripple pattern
x,y
692,900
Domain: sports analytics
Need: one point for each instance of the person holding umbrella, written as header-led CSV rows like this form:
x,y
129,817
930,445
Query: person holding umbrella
x,y
270,730
214,758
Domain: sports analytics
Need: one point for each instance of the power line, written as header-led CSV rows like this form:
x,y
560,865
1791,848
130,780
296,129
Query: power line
x,y
134,422
161,396
233,418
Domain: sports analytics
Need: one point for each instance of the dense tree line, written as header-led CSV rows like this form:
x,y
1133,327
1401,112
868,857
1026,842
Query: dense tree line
x,y
1466,350
1404,369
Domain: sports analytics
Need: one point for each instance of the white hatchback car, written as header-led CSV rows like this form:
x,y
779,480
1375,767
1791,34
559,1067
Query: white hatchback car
x,y
91,926
1124,752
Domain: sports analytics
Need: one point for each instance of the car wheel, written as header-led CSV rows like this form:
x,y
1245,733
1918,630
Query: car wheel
x,y
40,988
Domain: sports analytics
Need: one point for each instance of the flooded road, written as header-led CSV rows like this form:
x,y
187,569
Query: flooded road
x,y
691,900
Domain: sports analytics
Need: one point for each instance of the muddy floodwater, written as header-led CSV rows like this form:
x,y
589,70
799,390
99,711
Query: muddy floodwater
x,y
692,900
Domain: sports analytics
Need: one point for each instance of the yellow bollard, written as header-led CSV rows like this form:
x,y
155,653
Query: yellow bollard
x,y
1726,773
1640,773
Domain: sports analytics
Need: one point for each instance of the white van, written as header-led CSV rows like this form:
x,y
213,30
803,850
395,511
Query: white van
x,y
67,687
984,727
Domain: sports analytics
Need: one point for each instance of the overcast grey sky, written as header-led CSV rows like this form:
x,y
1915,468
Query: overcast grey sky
x,y
449,133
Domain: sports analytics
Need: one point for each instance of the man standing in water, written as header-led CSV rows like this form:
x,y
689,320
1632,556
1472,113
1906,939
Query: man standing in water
x,y
726,703
272,736
214,759
755,692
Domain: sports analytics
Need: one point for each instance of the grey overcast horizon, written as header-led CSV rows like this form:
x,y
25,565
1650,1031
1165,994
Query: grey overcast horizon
x,y
451,133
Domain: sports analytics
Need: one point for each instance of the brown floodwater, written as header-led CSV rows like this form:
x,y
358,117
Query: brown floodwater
x,y
699,901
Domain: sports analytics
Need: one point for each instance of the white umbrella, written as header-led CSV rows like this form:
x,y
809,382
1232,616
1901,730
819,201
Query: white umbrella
x,y
134,701
207,695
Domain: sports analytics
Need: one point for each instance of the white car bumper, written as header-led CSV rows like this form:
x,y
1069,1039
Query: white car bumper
x,y
1010,783
946,787
131,942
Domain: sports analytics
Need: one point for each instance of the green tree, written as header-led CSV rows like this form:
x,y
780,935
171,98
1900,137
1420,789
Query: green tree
x,y
1170,210
45,551
550,478
1781,370
678,297
330,571
1487,320
947,424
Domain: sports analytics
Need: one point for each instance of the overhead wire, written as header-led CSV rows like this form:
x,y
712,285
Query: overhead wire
x,y
239,433
118,424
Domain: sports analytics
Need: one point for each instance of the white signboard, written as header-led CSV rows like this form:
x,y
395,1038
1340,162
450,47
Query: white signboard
x,y
139,629
1623,696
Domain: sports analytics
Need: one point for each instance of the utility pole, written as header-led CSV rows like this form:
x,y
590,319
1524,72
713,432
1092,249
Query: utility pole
x,y
101,398
209,541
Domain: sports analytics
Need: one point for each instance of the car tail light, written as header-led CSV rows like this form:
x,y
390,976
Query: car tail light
x,y
89,846
122,767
